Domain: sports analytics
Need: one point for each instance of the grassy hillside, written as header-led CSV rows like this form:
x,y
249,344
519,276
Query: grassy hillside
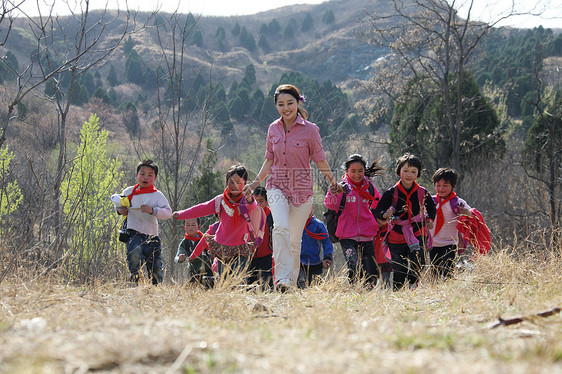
x,y
445,327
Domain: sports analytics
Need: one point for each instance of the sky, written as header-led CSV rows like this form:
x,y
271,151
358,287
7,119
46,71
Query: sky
x,y
484,10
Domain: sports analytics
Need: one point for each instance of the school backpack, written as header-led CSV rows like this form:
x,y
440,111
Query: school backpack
x,y
331,217
255,219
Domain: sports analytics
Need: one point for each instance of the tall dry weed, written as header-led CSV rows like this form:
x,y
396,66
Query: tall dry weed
x,y
443,326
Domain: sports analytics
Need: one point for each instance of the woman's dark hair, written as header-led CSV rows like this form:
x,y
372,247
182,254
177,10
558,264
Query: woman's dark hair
x,y
293,91
409,159
239,170
150,164
260,191
371,171
447,174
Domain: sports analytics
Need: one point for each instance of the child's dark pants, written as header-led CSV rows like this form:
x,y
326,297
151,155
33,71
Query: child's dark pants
x,y
401,257
307,274
145,249
360,258
234,267
260,269
443,260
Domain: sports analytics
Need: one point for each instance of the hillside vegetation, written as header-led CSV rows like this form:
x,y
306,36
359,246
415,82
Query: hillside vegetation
x,y
195,94
331,328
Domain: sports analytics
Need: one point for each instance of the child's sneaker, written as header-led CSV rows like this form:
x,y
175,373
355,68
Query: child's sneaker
x,y
180,256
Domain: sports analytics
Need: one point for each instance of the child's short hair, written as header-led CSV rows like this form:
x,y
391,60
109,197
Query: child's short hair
x,y
260,191
446,174
148,163
409,159
198,221
239,170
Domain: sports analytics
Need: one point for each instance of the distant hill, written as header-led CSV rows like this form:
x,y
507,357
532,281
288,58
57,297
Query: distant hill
x,y
322,49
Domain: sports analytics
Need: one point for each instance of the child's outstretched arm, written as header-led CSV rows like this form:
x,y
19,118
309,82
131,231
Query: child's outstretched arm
x,y
199,210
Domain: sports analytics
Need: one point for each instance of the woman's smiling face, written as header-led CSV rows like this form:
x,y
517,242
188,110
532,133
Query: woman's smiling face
x,y
287,106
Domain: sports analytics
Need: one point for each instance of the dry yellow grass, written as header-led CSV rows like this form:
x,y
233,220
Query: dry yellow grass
x,y
441,327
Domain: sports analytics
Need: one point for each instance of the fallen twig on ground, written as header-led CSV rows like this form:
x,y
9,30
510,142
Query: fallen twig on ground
x,y
513,321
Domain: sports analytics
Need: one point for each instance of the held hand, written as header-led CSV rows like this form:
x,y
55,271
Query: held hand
x,y
248,194
326,263
382,222
247,188
465,211
336,189
430,224
175,215
388,213
146,209
123,210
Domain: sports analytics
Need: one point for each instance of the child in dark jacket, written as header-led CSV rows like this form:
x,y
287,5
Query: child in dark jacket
x,y
200,267
412,210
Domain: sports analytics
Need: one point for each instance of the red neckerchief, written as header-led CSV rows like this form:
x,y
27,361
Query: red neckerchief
x,y
194,238
232,203
139,191
362,188
408,195
313,235
440,219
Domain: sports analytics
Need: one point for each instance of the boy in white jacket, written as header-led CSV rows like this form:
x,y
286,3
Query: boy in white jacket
x,y
147,206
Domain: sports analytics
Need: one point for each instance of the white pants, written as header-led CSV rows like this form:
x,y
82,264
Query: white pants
x,y
288,224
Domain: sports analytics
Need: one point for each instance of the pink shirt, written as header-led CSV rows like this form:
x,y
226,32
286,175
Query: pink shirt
x,y
227,233
291,153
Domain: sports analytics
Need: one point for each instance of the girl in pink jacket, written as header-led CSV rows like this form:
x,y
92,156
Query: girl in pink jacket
x,y
357,226
232,243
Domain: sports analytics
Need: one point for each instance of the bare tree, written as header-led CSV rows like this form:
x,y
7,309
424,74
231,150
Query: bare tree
x,y
65,48
8,8
182,120
542,153
430,46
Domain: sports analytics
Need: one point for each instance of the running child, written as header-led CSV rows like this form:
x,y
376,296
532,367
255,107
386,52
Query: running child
x,y
412,210
262,263
445,233
316,251
233,241
357,226
147,205
200,267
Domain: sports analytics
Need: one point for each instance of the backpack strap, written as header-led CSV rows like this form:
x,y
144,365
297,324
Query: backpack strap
x,y
395,199
342,204
421,196
218,202
454,202
243,210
